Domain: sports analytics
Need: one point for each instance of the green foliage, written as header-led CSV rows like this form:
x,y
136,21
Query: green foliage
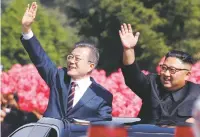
x,y
55,39
4,4
100,20
182,28
164,25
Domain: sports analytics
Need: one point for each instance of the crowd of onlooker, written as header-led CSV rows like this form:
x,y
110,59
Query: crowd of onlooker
x,y
12,116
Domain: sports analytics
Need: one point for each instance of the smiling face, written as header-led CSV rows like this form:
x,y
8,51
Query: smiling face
x,y
177,80
78,63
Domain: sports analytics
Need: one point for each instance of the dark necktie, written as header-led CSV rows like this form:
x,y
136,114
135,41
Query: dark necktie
x,y
71,96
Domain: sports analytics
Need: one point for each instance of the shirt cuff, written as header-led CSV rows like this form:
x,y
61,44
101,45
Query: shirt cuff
x,y
28,35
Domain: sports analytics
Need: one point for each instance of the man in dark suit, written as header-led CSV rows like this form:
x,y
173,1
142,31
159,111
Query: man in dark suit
x,y
73,93
167,97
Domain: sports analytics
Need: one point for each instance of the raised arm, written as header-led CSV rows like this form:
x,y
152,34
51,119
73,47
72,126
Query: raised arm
x,y
128,41
36,53
134,78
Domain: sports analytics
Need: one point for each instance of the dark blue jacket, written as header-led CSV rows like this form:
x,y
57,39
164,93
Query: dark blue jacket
x,y
150,90
95,104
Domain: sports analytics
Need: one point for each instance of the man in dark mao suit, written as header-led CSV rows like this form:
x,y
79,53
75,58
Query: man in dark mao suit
x,y
167,97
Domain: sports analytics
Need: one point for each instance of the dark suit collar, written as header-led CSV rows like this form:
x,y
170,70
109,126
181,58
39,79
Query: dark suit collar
x,y
93,81
176,95
180,94
67,78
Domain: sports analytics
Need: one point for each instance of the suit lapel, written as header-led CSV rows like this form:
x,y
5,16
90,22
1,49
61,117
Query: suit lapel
x,y
65,97
87,96
65,89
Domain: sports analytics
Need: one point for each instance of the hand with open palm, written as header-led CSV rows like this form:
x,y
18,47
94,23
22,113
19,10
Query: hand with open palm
x,y
29,17
127,38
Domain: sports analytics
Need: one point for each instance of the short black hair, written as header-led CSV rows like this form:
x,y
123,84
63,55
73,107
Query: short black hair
x,y
94,56
183,56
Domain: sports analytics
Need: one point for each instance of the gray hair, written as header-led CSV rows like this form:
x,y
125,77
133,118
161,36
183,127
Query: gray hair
x,y
94,54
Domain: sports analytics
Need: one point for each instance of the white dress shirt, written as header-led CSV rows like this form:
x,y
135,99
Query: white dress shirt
x,y
81,88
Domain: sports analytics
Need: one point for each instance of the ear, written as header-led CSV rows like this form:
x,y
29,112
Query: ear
x,y
187,75
92,66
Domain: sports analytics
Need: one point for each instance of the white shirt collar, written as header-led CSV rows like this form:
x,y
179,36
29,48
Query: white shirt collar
x,y
82,82
82,87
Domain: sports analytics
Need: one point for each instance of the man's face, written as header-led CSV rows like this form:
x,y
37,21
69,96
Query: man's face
x,y
181,72
78,63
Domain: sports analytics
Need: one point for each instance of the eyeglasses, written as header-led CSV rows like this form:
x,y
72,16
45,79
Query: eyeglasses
x,y
172,70
76,59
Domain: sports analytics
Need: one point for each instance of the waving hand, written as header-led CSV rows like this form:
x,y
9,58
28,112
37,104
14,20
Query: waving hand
x,y
29,17
127,38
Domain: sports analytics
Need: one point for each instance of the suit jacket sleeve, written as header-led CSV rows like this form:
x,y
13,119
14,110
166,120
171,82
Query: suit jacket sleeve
x,y
136,80
44,65
105,110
